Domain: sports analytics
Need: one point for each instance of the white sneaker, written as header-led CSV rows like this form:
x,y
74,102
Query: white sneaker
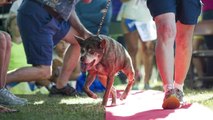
x,y
7,98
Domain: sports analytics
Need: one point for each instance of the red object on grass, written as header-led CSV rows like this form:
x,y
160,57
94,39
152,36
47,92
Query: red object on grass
x,y
147,105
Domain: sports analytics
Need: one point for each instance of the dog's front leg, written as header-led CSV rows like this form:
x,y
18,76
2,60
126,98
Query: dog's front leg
x,y
110,81
114,96
89,81
103,80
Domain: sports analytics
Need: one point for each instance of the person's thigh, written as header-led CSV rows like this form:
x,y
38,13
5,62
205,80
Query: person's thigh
x,y
188,11
65,30
37,28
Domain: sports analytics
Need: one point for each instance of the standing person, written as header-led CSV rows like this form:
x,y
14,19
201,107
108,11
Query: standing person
x,y
42,24
6,98
175,21
133,11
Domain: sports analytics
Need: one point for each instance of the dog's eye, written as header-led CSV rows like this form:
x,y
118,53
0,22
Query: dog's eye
x,y
92,52
82,50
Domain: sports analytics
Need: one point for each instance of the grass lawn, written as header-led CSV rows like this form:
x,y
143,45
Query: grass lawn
x,y
42,107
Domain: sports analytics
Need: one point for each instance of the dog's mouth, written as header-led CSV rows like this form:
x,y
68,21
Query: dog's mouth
x,y
87,66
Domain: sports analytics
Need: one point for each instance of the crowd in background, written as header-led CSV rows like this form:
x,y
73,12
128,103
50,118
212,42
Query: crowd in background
x,y
91,20
203,66
138,35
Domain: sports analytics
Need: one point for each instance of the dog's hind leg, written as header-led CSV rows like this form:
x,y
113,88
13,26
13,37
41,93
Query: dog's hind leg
x,y
114,96
130,76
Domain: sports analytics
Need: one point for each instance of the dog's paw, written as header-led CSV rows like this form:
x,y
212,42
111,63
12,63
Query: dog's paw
x,y
123,96
94,96
113,104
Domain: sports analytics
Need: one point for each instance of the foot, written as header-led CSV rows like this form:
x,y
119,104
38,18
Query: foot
x,y
146,86
138,76
179,95
6,110
123,96
65,91
7,98
171,100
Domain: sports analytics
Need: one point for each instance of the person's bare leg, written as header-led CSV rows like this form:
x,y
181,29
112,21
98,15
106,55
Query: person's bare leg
x,y
132,39
5,47
147,58
166,32
132,46
7,56
71,59
183,52
27,74
198,62
6,98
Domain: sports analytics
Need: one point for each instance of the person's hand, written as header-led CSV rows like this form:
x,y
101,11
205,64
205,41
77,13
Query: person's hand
x,y
87,35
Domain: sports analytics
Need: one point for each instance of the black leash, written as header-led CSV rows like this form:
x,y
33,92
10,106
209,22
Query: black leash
x,y
104,15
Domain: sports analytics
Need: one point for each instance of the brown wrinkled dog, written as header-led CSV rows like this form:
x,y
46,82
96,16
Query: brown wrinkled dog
x,y
104,57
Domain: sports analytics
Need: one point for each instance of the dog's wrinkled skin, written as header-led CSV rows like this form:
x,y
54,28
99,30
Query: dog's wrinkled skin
x,y
104,57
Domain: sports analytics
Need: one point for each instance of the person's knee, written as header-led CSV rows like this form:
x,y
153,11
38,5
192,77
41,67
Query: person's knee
x,y
5,40
166,32
45,72
2,35
151,49
133,49
2,41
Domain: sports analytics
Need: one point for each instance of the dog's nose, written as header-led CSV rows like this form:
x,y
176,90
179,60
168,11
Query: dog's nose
x,y
82,58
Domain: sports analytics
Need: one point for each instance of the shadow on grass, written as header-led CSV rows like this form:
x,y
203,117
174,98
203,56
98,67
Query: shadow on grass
x,y
43,107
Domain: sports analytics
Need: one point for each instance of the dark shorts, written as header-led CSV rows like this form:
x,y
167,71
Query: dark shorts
x,y
40,32
186,11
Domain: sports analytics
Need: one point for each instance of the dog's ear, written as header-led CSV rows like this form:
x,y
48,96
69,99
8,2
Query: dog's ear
x,y
103,44
79,39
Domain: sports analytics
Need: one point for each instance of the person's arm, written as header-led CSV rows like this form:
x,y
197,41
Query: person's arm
x,y
78,26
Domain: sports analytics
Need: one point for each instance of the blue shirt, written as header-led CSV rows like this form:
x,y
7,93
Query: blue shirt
x,y
63,7
90,15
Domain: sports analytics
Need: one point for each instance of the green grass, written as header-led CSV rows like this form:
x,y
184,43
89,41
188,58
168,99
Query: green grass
x,y
204,97
42,107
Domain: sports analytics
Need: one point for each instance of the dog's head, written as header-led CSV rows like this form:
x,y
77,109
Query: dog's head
x,y
92,50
